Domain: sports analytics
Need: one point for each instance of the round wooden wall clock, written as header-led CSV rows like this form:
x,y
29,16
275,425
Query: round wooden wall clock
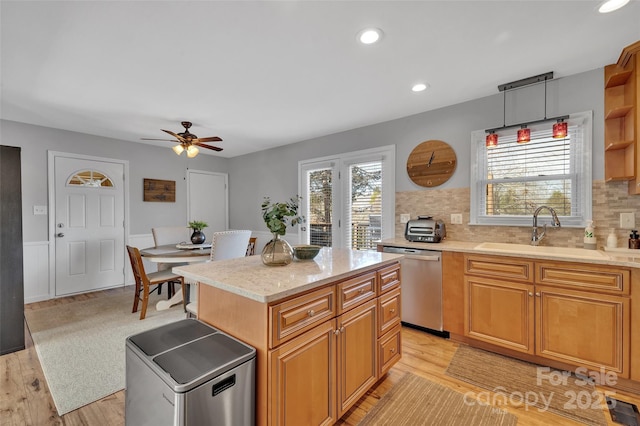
x,y
431,163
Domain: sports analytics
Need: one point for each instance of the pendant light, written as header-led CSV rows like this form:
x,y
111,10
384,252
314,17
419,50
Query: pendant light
x,y
491,141
560,129
524,134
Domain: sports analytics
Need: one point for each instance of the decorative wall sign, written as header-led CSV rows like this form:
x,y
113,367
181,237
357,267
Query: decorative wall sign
x,y
160,190
431,163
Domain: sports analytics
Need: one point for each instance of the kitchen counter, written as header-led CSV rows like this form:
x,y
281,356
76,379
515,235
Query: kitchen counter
x,y
248,277
523,250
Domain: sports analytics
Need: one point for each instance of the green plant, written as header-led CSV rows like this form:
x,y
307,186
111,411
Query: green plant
x,y
197,225
276,215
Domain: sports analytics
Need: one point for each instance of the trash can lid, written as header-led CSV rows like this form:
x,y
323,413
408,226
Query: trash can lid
x,y
169,336
203,359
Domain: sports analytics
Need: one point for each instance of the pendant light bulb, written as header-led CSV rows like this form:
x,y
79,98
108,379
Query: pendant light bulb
x,y
492,140
192,151
560,129
524,134
178,149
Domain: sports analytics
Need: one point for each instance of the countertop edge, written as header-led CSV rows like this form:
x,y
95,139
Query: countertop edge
x,y
607,258
270,298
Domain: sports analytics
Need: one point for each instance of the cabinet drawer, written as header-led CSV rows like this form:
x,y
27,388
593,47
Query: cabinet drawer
x,y
388,311
355,291
293,317
388,278
596,277
499,267
390,348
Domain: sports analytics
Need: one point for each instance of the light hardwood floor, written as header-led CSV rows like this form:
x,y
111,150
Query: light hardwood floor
x,y
25,397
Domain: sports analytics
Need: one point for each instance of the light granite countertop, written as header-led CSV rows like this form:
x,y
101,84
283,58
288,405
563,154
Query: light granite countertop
x,y
248,277
620,257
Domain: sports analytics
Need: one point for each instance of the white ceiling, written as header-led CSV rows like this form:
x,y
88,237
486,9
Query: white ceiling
x,y
261,74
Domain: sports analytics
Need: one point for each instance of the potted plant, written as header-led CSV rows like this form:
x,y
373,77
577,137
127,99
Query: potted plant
x,y
277,216
198,236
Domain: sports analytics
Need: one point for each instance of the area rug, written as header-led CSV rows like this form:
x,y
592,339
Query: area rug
x,y
530,385
417,401
81,345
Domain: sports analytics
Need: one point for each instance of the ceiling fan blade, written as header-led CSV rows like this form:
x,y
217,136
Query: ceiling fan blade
x,y
210,139
166,140
215,148
175,135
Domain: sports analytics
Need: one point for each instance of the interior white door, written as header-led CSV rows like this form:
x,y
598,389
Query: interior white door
x,y
89,225
208,199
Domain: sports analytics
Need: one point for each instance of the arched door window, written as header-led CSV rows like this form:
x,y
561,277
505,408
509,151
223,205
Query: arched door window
x,y
90,178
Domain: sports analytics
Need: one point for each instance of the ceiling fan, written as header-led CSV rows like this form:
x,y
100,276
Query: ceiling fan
x,y
189,142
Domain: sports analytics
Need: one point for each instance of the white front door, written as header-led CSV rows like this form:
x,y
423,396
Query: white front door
x,y
207,200
89,225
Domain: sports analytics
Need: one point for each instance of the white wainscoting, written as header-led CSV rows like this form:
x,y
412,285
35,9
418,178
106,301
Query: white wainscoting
x,y
35,265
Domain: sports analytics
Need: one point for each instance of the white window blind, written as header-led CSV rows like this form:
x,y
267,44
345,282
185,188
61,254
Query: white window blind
x,y
365,204
512,180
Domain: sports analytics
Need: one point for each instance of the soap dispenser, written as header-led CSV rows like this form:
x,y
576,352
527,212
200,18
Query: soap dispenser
x,y
634,240
612,239
589,237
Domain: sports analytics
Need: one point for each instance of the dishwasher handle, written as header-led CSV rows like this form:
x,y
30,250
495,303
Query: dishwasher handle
x,y
428,258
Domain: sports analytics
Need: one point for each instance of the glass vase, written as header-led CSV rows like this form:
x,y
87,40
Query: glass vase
x,y
277,252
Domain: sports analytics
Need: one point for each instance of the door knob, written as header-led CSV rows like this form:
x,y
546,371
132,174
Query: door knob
x,y
60,234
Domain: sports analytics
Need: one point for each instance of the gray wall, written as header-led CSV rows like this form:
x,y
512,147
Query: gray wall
x,y
274,172
145,161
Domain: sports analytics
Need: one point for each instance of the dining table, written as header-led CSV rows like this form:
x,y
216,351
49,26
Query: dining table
x,y
169,255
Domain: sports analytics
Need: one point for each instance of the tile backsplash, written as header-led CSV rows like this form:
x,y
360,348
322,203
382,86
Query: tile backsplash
x,y
609,200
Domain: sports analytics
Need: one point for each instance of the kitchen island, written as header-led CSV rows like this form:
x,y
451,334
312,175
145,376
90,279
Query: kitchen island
x,y
325,330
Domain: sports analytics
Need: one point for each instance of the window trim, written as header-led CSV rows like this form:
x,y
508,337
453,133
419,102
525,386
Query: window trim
x,y
584,182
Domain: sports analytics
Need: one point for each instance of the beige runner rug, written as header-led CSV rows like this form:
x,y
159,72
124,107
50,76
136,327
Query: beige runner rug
x,y
416,401
536,387
81,345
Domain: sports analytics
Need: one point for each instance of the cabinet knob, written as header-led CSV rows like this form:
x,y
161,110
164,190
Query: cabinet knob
x,y
342,329
392,350
392,310
311,312
530,294
537,294
361,290
336,332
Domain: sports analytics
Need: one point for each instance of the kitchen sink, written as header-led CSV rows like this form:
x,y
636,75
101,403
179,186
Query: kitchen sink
x,y
525,249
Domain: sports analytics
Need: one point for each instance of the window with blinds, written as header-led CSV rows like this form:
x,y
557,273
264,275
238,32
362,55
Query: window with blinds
x,y
319,217
365,208
512,180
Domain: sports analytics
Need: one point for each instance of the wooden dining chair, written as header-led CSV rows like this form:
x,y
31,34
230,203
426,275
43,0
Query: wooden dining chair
x,y
251,248
224,245
145,281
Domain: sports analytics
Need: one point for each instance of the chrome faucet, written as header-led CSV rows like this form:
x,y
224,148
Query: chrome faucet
x,y
535,237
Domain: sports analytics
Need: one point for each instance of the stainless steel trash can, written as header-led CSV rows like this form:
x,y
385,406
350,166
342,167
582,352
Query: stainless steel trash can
x,y
188,373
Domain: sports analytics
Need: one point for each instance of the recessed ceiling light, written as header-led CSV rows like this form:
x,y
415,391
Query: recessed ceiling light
x,y
370,35
611,5
419,87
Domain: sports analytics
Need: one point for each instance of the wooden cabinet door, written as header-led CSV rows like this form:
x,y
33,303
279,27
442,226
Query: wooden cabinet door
x,y
302,379
357,354
583,329
499,312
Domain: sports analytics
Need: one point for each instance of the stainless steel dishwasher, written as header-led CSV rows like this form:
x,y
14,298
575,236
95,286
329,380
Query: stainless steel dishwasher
x,y
421,287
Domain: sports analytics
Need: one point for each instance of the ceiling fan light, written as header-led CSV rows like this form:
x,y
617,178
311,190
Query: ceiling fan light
x,y
524,135
178,149
492,140
192,151
560,129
